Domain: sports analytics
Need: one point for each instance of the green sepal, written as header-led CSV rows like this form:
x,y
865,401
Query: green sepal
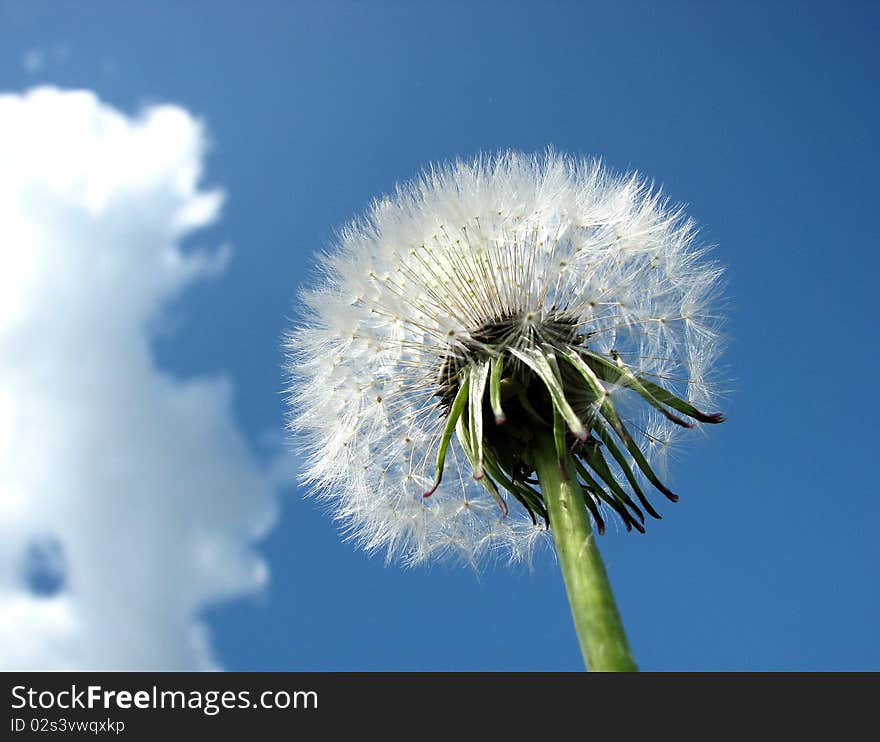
x,y
598,464
479,376
559,442
455,413
586,496
608,439
597,489
537,362
653,394
594,492
466,440
495,390
525,495
610,414
606,408
681,405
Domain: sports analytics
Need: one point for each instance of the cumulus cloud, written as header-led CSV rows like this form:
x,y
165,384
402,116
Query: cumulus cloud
x,y
129,501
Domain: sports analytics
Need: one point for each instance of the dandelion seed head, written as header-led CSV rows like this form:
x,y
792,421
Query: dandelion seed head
x,y
510,257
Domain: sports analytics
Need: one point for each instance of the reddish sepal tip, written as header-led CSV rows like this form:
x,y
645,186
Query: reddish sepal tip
x,y
500,420
678,420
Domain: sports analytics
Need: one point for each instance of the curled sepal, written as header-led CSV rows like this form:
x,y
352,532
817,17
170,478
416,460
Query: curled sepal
x,y
610,414
525,495
537,361
458,405
677,403
652,393
592,486
606,438
606,408
524,492
598,464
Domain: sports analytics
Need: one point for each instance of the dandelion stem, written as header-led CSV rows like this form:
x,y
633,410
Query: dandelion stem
x,y
596,618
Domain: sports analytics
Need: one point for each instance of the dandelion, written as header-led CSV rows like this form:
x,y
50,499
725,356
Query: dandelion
x,y
506,349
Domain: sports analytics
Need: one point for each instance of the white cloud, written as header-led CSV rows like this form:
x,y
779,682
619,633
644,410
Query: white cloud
x,y
129,501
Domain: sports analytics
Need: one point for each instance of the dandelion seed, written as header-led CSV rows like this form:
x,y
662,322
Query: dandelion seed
x,y
487,304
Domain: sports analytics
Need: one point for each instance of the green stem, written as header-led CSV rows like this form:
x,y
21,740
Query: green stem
x,y
596,618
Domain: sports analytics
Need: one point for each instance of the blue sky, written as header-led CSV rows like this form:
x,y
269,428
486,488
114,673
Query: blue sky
x,y
760,116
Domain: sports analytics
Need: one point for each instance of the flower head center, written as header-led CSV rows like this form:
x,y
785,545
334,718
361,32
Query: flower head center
x,y
534,373
495,337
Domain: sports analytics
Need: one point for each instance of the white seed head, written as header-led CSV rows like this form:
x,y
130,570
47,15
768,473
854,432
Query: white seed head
x,y
407,291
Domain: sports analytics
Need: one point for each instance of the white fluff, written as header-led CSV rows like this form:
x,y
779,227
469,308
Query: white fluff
x,y
461,245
